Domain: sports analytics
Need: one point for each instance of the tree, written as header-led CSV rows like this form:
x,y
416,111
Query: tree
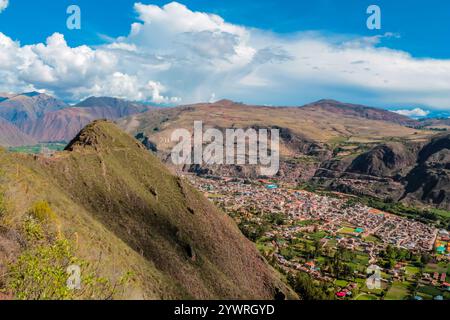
x,y
304,286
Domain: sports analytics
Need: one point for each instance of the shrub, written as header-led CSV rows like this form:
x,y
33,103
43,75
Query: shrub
x,y
41,273
42,212
33,230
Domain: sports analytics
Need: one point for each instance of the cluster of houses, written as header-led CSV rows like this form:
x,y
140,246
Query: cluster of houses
x,y
349,225
442,244
332,213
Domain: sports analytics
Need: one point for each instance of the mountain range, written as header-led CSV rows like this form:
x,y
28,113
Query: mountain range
x,y
338,146
113,195
46,119
324,142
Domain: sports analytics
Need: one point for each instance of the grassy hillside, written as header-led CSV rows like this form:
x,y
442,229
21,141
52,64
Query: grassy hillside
x,y
125,214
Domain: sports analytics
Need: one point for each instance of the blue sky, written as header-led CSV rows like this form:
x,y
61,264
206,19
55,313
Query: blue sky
x,y
258,40
424,25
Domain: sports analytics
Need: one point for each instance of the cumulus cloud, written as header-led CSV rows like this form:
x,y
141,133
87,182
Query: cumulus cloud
x,y
175,55
414,113
3,5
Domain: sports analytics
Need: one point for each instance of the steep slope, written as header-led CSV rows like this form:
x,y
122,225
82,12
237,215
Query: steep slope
x,y
11,136
415,173
126,206
19,109
385,160
377,172
429,181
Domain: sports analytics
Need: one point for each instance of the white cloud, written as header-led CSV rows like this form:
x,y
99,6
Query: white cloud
x,y
175,55
3,5
413,113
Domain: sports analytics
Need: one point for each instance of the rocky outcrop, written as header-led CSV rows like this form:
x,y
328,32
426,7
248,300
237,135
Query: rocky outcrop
x,y
429,181
385,160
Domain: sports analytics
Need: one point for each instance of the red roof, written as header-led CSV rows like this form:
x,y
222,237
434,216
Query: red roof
x,y
341,294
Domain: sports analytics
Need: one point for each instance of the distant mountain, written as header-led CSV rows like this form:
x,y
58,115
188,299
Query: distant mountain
x,y
128,214
63,125
321,122
4,96
48,119
11,136
22,108
108,102
371,113
443,123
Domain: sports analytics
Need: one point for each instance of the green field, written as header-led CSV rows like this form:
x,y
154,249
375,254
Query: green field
x,y
440,268
412,271
347,230
341,283
398,291
371,238
429,291
367,297
442,213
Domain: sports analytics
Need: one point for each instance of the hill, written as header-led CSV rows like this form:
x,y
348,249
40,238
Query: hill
x,y
309,135
416,173
429,181
371,113
442,124
128,213
312,122
343,147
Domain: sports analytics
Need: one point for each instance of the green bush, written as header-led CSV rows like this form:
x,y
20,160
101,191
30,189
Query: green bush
x,y
42,212
41,273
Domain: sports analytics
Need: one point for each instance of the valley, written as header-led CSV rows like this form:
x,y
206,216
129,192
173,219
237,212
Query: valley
x,y
335,240
357,187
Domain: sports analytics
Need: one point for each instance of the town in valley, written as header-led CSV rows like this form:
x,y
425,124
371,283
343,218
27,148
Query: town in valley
x,y
336,240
